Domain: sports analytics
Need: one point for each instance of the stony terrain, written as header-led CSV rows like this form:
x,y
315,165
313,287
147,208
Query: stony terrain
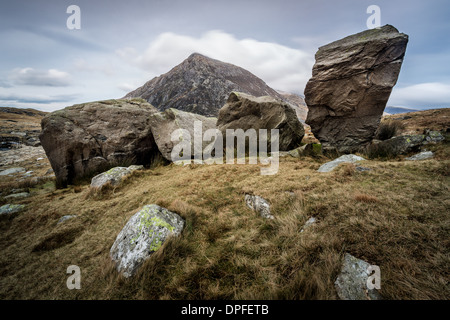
x,y
388,212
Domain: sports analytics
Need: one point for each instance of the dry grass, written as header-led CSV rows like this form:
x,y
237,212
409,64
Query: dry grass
x,y
394,216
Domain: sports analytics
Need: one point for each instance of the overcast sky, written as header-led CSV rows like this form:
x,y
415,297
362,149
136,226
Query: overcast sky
x,y
123,44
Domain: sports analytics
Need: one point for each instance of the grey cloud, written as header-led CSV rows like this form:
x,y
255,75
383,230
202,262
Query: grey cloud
x,y
48,78
39,99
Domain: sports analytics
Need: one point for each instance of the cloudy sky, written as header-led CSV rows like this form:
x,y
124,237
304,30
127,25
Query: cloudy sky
x,y
123,44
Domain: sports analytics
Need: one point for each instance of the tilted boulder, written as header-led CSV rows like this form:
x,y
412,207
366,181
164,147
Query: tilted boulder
x,y
163,124
143,235
88,138
243,111
351,82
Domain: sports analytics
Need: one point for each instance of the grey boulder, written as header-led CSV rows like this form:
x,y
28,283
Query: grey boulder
x,y
163,124
243,111
351,283
346,158
421,156
88,138
113,176
143,235
351,82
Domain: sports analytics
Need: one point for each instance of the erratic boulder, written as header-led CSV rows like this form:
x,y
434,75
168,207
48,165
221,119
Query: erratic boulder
x,y
163,124
351,82
144,234
243,111
88,138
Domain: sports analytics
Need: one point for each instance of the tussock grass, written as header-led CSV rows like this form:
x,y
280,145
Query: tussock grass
x,y
394,216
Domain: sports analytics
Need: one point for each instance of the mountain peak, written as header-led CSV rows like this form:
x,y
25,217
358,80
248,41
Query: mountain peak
x,y
200,85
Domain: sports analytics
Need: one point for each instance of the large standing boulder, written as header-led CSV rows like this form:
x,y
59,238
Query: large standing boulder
x,y
163,124
243,111
351,82
143,235
88,138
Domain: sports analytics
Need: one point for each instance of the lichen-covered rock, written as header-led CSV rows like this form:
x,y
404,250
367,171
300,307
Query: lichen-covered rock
x,y
144,234
399,144
88,138
113,176
243,111
348,158
434,137
163,124
351,82
259,205
351,284
11,208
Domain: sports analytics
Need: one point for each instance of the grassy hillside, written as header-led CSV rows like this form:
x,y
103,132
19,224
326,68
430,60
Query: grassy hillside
x,y
395,216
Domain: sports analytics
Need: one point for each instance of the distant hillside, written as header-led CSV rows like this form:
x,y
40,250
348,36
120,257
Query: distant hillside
x,y
200,85
395,110
298,102
19,126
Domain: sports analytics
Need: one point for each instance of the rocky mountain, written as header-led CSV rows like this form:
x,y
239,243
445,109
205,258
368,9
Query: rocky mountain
x,y
200,85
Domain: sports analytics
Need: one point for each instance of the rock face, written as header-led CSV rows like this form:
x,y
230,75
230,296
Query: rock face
x,y
88,138
351,82
164,123
243,111
351,284
200,85
113,176
346,158
143,234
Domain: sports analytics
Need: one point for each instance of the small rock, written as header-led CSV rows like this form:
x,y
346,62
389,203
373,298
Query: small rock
x,y
11,208
259,205
351,284
67,217
360,169
349,158
18,195
39,159
144,234
308,223
113,176
421,156
12,171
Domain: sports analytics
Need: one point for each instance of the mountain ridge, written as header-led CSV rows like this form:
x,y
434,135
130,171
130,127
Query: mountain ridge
x,y
200,85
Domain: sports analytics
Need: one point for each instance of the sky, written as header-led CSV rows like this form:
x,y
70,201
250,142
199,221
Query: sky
x,y
122,44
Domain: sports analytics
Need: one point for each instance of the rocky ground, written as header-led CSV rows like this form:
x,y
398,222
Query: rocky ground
x,y
391,212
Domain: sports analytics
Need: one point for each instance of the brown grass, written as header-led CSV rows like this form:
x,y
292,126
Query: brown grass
x,y
394,216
